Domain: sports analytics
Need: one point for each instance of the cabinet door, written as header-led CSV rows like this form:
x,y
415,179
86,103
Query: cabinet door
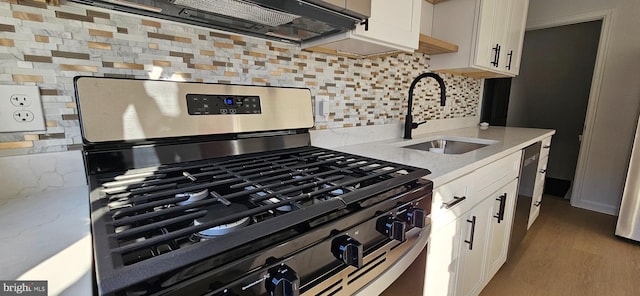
x,y
485,45
500,32
492,28
538,190
443,260
546,147
395,22
341,4
359,6
472,249
515,36
501,211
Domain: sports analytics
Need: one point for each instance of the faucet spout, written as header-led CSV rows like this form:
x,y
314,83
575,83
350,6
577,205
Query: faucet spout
x,y
408,122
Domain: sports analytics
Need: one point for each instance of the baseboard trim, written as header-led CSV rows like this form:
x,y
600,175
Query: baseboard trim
x,y
596,207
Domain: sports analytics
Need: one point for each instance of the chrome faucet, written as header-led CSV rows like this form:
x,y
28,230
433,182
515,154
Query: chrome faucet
x,y
408,119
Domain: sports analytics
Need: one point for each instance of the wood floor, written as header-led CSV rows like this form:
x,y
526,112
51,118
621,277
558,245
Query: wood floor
x,y
570,251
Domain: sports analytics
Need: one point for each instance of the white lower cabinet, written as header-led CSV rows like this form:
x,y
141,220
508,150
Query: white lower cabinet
x,y
538,190
536,199
474,242
465,254
486,240
443,257
500,229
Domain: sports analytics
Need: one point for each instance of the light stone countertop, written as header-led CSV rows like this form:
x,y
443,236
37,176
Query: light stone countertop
x,y
447,167
44,213
46,233
46,236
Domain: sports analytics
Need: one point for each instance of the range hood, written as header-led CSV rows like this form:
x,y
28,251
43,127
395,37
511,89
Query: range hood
x,y
292,21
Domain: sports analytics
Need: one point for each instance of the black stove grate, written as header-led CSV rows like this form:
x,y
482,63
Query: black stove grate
x,y
148,213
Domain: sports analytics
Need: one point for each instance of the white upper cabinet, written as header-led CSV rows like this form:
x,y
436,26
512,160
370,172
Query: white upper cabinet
x,y
489,34
393,26
515,35
362,7
396,23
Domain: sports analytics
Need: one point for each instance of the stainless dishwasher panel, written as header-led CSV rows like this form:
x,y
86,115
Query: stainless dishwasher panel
x,y
526,184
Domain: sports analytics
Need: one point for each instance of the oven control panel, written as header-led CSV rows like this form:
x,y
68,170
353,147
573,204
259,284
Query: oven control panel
x,y
201,104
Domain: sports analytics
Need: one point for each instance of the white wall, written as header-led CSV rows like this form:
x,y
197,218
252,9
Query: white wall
x,y
617,109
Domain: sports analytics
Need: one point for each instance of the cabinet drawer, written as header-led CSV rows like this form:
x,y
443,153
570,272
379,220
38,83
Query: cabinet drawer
x,y
546,147
542,166
534,212
538,191
540,177
536,201
491,177
450,201
458,196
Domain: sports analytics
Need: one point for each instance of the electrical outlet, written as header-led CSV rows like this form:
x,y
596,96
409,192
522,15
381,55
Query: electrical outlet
x,y
20,100
322,108
23,116
20,109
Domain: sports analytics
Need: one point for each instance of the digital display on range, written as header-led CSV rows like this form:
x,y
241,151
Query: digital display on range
x,y
206,104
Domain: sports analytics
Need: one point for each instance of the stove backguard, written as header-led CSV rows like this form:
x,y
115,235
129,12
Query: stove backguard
x,y
134,110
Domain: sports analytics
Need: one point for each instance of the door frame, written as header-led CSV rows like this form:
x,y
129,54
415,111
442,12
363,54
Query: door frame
x,y
606,16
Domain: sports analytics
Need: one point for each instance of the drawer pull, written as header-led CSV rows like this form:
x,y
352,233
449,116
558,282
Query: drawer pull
x,y
456,200
546,146
510,54
503,201
542,171
538,203
473,230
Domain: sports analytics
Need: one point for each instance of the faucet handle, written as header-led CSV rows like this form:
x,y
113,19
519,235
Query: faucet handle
x,y
415,125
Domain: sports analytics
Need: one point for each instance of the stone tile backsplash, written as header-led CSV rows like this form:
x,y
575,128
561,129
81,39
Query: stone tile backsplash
x,y
48,46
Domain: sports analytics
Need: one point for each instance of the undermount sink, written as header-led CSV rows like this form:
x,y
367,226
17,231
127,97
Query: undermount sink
x,y
451,145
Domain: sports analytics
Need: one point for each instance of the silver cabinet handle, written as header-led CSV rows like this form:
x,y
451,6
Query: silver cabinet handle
x,y
456,200
542,171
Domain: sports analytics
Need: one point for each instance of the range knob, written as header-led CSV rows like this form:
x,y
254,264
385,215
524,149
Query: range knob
x,y
392,227
283,281
415,217
348,250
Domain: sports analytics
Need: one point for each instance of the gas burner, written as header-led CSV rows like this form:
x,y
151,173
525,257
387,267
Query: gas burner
x,y
193,197
219,211
340,191
274,200
335,192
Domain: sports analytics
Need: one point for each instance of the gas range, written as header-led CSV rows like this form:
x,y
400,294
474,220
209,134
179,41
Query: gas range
x,y
196,200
